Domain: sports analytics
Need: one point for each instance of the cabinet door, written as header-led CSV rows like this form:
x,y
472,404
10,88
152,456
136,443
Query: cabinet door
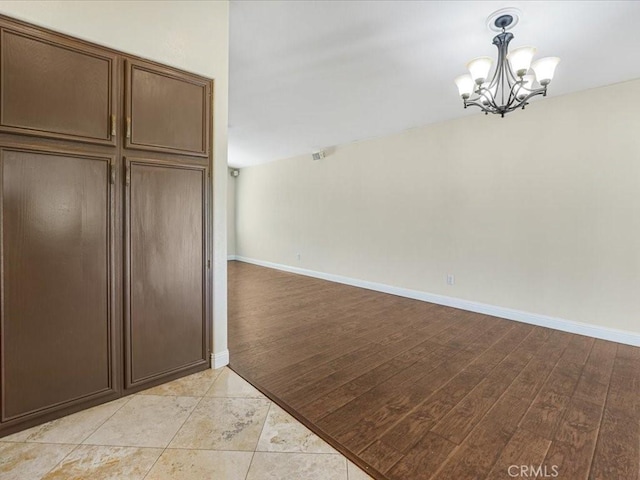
x,y
57,88
166,110
165,279
56,325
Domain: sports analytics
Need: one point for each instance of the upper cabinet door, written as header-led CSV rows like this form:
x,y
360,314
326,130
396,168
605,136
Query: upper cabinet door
x,y
56,87
166,110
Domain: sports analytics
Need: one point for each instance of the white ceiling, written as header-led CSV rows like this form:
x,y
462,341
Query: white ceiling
x,y
306,75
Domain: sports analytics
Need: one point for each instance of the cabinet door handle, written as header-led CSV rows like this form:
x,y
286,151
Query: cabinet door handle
x,y
113,172
127,176
114,130
128,127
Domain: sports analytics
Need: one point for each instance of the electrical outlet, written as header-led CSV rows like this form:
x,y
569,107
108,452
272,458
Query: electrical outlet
x,y
451,279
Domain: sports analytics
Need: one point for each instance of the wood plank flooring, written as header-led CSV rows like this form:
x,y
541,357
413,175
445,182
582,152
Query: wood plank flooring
x,y
415,391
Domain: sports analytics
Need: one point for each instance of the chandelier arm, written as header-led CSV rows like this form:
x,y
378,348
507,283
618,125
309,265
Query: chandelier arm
x,y
512,103
514,78
513,85
524,101
474,103
538,91
485,93
513,97
494,80
492,107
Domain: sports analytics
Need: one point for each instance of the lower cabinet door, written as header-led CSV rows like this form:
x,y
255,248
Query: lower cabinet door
x,y
56,326
165,269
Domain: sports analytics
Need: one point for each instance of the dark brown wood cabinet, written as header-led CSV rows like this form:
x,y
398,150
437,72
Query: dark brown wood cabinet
x,y
167,111
56,88
104,208
57,308
165,292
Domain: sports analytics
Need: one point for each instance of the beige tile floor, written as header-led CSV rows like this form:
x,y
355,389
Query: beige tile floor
x,y
211,425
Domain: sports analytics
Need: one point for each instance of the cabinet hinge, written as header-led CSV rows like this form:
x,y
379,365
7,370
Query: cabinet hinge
x,y
208,263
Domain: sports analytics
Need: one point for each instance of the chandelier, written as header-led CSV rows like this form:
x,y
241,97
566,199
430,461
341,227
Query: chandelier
x,y
511,85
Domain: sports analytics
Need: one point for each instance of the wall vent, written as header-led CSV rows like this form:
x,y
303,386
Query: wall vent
x,y
318,155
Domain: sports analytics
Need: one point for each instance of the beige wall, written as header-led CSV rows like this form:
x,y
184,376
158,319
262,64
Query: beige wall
x,y
231,215
191,35
538,211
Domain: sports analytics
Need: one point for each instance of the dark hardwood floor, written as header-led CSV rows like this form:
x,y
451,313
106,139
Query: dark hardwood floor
x,y
411,390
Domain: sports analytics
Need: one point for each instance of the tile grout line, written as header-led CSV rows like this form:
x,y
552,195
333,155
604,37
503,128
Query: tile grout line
x,y
215,380
183,423
328,454
176,433
109,418
76,445
253,454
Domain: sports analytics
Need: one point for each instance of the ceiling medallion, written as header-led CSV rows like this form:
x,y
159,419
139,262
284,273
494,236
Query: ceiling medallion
x,y
511,85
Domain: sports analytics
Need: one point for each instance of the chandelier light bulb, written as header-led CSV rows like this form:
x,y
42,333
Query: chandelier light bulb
x,y
465,85
479,69
544,69
520,59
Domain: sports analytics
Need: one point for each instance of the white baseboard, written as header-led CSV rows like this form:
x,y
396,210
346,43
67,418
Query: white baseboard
x,y
596,331
220,359
232,257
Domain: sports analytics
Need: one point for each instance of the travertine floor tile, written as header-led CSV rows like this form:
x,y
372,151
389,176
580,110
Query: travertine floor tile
x,y
211,437
303,466
224,424
195,385
230,384
355,473
22,461
73,428
105,463
283,433
201,464
145,421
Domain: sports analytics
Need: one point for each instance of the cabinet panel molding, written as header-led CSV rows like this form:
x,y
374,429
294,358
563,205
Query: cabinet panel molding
x,y
166,110
55,88
165,268
57,317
